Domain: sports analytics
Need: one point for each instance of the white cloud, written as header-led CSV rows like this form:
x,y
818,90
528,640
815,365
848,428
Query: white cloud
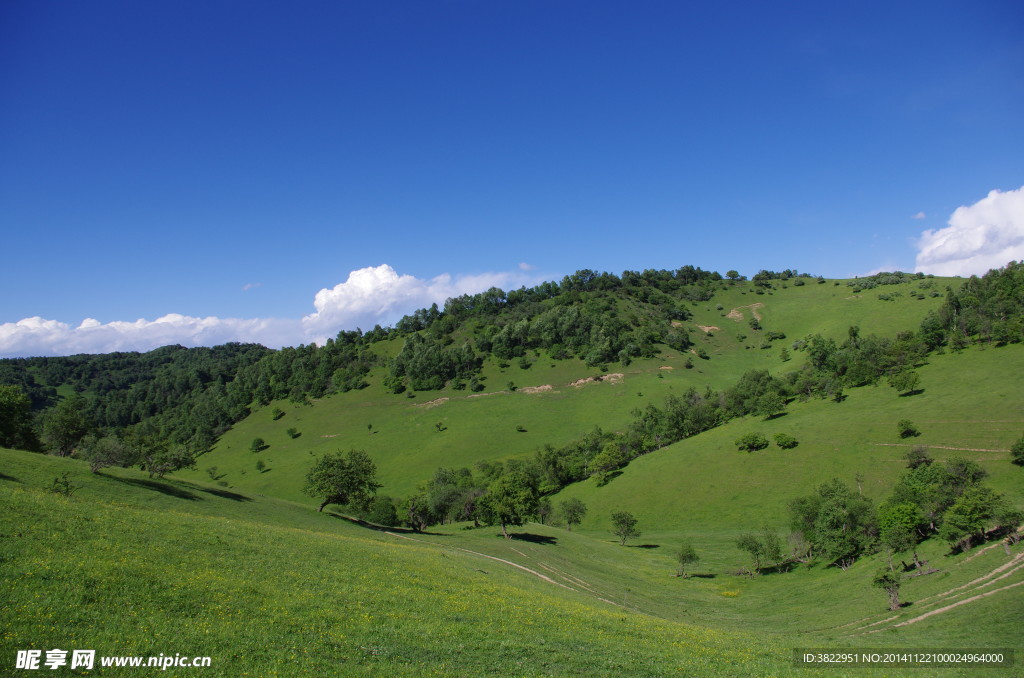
x,y
248,286
986,235
919,215
370,296
523,266
379,295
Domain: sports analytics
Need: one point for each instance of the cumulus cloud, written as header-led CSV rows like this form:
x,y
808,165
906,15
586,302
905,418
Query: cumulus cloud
x,y
379,295
370,296
988,234
919,215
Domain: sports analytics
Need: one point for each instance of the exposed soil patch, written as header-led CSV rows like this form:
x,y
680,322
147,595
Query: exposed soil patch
x,y
708,328
666,367
481,395
432,403
677,323
535,389
737,315
330,435
609,378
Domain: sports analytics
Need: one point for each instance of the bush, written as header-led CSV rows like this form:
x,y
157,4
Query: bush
x,y
258,445
785,441
277,413
1017,452
907,429
751,442
293,433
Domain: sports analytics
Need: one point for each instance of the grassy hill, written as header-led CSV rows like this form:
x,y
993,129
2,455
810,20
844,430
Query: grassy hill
x,y
234,562
407,447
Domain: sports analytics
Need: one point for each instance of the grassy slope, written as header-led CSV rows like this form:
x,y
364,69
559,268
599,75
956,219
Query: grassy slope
x,y
408,449
130,566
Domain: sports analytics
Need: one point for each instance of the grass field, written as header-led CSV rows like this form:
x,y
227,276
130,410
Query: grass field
x,y
247,572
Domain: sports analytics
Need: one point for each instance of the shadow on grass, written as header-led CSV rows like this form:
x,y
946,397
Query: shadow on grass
x,y
916,391
533,538
224,494
702,576
162,488
382,528
4,476
777,415
645,546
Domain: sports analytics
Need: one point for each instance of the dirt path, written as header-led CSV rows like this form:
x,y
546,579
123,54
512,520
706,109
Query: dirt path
x,y
535,573
1014,565
957,604
940,447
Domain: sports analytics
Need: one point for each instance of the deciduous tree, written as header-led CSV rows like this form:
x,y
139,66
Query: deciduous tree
x,y
346,480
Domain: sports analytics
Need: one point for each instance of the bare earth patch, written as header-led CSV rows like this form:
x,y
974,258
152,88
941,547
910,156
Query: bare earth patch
x,y
941,447
708,328
737,315
535,389
432,403
330,435
610,378
677,323
481,395
666,367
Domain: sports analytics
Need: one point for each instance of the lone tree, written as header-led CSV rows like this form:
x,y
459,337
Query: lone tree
x,y
510,500
907,429
343,479
625,526
889,581
685,556
904,381
573,511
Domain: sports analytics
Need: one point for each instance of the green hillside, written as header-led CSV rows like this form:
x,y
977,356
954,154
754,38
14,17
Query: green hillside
x,y
407,447
230,559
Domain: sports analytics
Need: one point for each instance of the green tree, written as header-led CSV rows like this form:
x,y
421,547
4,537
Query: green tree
x,y
904,381
685,556
510,500
258,445
906,429
918,456
624,525
968,517
573,510
106,451
732,275
897,528
16,419
346,480
544,510
770,405
889,581
383,511
65,424
839,524
764,548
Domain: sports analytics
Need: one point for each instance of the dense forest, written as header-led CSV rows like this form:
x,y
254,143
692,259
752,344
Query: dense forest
x,y
172,403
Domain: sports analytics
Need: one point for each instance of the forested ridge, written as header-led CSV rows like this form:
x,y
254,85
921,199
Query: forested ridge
x,y
181,397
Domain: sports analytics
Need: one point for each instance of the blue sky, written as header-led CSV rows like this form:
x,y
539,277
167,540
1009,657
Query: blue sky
x,y
280,171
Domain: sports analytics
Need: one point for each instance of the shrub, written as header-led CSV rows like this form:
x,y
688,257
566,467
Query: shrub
x,y
907,429
1017,452
260,465
277,413
751,442
785,441
258,445
293,433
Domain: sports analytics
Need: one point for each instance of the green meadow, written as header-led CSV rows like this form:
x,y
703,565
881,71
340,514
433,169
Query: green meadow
x,y
234,562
